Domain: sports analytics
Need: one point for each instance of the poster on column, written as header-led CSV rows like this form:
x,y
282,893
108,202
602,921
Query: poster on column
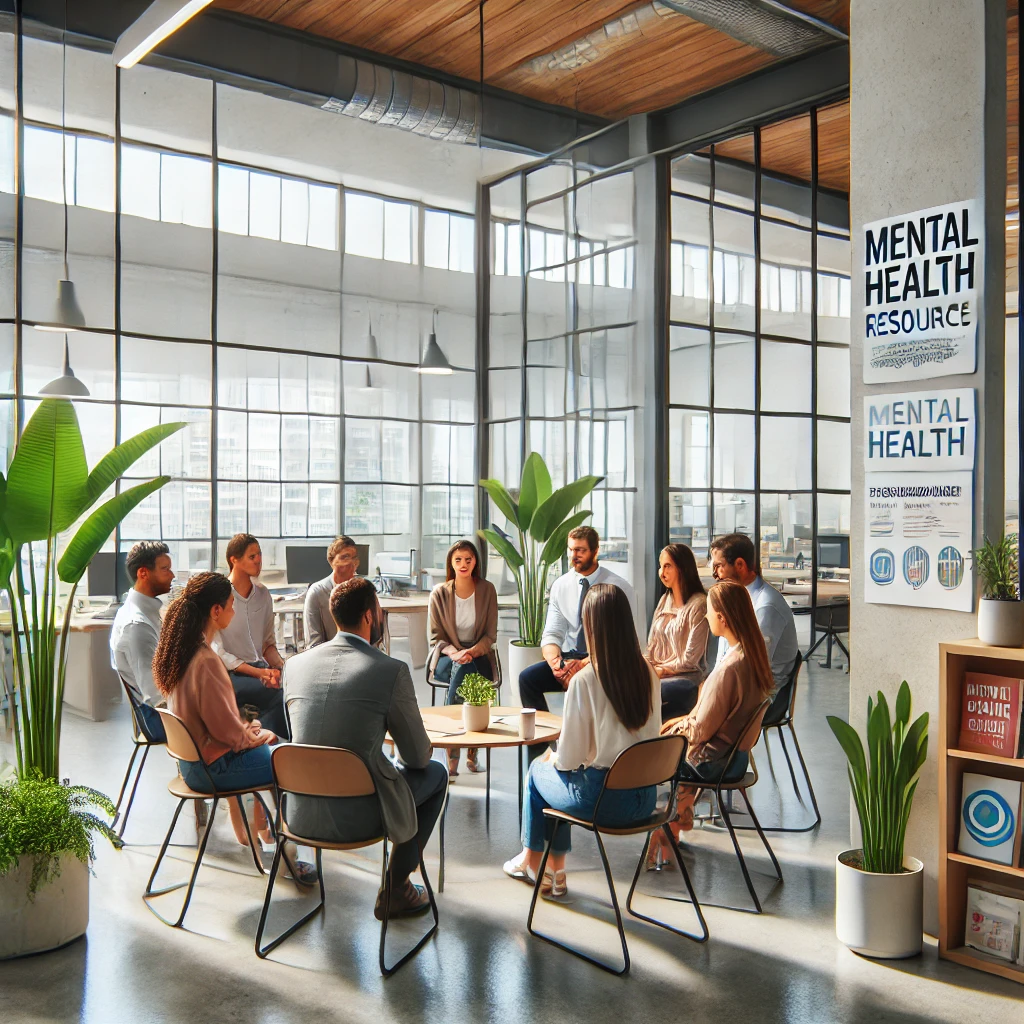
x,y
918,539
919,431
922,278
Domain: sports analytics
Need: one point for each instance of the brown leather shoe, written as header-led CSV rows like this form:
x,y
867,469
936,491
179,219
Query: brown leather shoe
x,y
405,902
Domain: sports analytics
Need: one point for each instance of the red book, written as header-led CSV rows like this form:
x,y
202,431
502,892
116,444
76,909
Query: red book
x,y
990,714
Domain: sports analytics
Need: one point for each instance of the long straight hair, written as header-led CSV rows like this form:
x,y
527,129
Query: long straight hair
x,y
614,649
181,635
689,579
733,602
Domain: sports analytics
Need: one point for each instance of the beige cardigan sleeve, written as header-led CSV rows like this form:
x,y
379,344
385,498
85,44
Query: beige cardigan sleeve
x,y
437,616
714,705
486,616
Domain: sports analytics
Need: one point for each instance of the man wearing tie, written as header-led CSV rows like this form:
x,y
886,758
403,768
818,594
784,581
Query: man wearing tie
x,y
563,644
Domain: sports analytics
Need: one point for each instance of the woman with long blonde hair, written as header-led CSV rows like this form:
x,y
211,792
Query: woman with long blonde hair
x,y
729,696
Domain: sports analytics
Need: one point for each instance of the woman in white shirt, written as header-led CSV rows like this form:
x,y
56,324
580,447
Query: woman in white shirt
x,y
463,622
248,645
612,703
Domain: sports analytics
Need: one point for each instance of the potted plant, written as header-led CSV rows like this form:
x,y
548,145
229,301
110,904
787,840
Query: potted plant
x,y
879,891
542,517
478,694
1000,611
46,848
48,489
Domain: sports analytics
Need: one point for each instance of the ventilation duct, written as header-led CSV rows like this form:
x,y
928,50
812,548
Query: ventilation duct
x,y
764,24
404,101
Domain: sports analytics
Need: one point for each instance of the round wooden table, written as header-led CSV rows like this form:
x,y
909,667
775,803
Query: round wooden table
x,y
444,729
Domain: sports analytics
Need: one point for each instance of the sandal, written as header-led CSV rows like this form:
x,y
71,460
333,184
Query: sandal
x,y
658,857
453,765
517,870
472,760
554,885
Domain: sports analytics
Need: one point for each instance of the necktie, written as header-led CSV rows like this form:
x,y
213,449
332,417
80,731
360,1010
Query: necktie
x,y
581,636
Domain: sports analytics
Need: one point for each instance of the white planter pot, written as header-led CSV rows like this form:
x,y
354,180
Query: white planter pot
x,y
880,915
1001,623
476,717
58,914
519,657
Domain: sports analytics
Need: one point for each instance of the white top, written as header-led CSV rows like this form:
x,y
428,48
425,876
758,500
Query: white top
x,y
778,627
465,619
133,638
250,632
562,625
592,733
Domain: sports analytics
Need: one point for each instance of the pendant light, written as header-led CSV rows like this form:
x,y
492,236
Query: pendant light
x,y
434,360
66,312
371,345
67,384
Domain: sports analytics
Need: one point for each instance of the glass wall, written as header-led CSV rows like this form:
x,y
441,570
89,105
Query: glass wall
x,y
242,267
759,368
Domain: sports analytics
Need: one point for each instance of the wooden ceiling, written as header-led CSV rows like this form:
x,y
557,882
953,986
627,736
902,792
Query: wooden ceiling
x,y
669,58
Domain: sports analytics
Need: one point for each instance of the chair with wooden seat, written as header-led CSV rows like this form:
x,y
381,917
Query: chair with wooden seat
x,y
182,747
141,741
778,715
647,763
302,769
731,781
440,684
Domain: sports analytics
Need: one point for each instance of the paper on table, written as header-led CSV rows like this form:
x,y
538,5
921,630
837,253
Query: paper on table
x,y
442,726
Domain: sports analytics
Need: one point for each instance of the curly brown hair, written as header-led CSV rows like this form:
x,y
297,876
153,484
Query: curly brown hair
x,y
182,632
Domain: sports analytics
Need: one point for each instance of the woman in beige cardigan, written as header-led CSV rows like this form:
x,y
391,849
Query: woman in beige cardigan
x,y
463,629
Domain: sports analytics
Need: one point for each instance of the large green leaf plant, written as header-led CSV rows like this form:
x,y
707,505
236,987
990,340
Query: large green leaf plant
x,y
49,488
542,517
884,782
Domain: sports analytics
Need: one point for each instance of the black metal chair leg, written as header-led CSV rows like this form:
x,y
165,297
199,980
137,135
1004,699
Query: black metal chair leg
x,y
814,801
124,784
263,951
131,798
487,797
807,775
150,891
702,936
384,969
724,811
760,832
444,815
248,835
785,750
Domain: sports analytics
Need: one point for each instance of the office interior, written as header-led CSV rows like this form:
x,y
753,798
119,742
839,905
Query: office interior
x,y
628,229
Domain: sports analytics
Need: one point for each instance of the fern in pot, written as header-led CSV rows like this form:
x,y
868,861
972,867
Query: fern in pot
x,y
1000,611
478,694
879,891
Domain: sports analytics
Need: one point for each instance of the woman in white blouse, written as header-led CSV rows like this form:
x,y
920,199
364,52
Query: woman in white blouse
x,y
678,638
612,703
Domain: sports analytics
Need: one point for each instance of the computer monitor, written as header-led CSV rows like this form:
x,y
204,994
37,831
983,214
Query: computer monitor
x,y
307,563
833,552
108,576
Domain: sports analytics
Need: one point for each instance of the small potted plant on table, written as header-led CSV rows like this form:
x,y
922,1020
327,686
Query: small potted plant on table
x,y
478,694
879,892
1000,611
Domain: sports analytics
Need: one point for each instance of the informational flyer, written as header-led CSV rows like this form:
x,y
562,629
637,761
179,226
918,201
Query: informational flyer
x,y
920,431
918,540
922,279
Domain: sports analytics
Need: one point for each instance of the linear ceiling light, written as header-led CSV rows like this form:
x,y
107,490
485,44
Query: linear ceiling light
x,y
152,27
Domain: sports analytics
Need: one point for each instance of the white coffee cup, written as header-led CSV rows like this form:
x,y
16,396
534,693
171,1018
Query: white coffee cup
x,y
527,723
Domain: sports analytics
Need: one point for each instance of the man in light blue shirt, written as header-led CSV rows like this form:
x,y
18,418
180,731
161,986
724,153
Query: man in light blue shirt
x,y
563,644
733,558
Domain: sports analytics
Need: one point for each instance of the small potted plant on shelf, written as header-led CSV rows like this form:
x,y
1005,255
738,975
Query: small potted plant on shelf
x,y
46,849
478,694
879,891
1000,611
542,517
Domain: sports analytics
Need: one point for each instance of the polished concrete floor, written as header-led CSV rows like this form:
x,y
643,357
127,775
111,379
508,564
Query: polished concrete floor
x,y
784,965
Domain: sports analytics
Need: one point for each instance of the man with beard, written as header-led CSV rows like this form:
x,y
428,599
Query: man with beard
x,y
343,558
563,644
347,693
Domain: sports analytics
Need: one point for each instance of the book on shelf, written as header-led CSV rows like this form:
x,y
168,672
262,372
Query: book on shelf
x,y
990,813
995,916
990,715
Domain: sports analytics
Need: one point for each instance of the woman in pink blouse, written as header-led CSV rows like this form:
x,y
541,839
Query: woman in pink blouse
x,y
679,631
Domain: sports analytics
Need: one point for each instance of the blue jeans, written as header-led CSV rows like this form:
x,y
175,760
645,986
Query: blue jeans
x,y
269,700
243,770
711,771
577,792
149,723
447,671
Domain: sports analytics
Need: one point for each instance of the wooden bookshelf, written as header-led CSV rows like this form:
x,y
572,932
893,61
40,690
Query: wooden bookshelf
x,y
955,661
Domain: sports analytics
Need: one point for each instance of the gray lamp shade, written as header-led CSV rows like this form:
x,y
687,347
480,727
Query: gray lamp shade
x,y
67,385
434,360
66,313
368,386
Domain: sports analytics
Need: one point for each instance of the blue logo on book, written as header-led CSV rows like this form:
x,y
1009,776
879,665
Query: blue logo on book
x,y
988,818
882,566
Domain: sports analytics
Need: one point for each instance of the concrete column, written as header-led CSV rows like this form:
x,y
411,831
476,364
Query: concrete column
x,y
927,126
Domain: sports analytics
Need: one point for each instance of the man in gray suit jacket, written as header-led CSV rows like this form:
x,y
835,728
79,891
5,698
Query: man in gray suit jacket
x,y
346,693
